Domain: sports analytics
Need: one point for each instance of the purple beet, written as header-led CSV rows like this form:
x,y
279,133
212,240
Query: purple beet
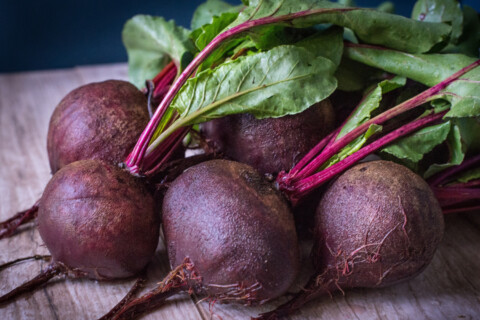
x,y
101,120
97,221
377,224
274,144
230,236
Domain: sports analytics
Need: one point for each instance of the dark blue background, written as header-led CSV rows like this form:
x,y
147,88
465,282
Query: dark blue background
x,y
58,34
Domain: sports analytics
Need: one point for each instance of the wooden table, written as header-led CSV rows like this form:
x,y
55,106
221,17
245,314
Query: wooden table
x,y
448,289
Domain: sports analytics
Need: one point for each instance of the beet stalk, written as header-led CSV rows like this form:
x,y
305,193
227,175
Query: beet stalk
x,y
301,181
454,196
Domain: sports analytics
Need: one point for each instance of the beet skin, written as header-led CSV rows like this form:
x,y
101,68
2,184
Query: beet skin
x,y
236,229
377,224
98,219
274,144
101,120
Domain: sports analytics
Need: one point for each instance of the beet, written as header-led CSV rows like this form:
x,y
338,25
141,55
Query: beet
x,y
377,224
393,221
97,221
273,144
230,236
101,120
234,227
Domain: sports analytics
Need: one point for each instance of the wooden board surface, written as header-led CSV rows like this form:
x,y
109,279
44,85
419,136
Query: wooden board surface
x,y
448,289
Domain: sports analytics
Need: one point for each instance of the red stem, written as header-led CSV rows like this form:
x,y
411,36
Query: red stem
x,y
158,78
312,154
461,209
380,119
135,159
164,82
177,140
455,195
303,187
469,184
323,144
443,177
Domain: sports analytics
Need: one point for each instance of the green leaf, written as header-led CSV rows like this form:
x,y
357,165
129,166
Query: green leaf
x,y
370,26
326,43
386,6
151,43
206,11
281,81
470,133
469,42
448,11
353,146
456,153
429,69
370,103
354,76
207,32
416,145
469,175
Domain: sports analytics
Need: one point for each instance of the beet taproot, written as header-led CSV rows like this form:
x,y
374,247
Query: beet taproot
x,y
98,221
377,224
230,237
273,144
100,120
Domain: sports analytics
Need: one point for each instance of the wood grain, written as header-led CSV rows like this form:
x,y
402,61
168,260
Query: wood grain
x,y
448,289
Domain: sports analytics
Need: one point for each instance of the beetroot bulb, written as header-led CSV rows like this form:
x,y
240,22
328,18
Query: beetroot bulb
x,y
274,144
100,120
230,236
98,221
377,224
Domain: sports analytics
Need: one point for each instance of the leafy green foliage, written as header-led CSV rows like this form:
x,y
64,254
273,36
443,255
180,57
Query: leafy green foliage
x,y
448,11
415,146
469,42
353,146
370,26
205,12
203,35
469,175
456,152
429,69
370,103
284,80
151,43
207,32
327,43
